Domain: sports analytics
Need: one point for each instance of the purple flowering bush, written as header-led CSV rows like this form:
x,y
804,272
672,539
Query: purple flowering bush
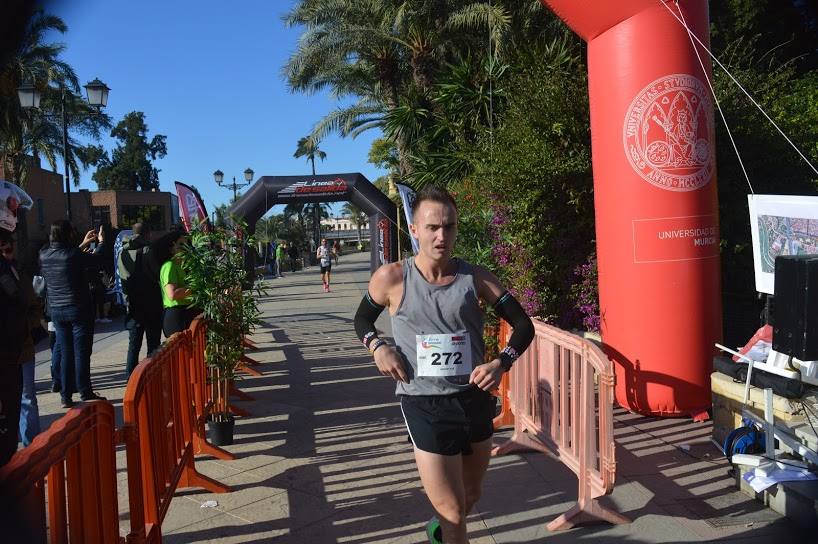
x,y
533,188
586,294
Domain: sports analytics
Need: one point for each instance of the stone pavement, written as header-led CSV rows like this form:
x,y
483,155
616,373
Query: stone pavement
x,y
324,458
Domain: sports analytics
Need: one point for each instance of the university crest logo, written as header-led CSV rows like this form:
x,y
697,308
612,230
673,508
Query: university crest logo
x,y
668,133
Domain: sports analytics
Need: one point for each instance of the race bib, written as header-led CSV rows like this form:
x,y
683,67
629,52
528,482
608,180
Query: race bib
x,y
444,355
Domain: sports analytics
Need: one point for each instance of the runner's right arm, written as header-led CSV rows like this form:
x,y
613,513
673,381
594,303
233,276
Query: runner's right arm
x,y
381,286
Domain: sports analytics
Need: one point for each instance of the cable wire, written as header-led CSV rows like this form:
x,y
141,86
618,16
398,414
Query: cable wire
x,y
690,36
726,71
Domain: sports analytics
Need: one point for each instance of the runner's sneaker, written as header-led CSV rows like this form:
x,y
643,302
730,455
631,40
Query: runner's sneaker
x,y
434,532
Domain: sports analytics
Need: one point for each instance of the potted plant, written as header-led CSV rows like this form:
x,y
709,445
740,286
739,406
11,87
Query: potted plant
x,y
214,266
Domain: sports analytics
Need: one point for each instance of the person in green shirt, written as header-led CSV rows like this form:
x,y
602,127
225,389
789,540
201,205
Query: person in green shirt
x,y
176,297
280,258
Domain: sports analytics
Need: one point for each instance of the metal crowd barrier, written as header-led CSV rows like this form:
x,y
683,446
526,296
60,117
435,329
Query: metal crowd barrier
x,y
561,397
159,432
505,417
76,458
202,392
167,401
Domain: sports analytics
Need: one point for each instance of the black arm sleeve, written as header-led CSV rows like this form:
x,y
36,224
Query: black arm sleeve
x,y
365,317
522,334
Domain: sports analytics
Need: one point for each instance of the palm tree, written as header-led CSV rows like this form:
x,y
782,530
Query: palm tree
x,y
387,54
308,147
295,210
26,134
356,216
33,133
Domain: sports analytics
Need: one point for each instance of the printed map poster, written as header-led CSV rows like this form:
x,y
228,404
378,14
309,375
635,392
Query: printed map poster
x,y
781,225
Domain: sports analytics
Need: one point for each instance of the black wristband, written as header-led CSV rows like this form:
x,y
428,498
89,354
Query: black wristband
x,y
522,328
507,357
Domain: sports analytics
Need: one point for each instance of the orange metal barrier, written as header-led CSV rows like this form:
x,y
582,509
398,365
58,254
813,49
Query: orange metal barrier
x,y
505,417
159,428
76,456
202,392
561,394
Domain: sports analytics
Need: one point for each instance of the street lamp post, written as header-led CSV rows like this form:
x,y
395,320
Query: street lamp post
x,y
218,175
97,93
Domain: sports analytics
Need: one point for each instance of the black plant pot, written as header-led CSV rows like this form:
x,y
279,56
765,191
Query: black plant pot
x,y
220,433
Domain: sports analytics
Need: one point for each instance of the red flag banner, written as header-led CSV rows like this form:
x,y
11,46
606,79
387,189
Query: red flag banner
x,y
191,207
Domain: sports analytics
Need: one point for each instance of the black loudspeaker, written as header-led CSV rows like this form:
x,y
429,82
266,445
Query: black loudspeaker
x,y
795,313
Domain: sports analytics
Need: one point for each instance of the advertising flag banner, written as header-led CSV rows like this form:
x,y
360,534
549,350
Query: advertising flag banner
x,y
407,196
191,207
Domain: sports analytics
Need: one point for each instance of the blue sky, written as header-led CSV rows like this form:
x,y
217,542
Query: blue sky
x,y
207,75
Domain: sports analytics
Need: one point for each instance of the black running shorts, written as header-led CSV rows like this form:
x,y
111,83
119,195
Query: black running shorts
x,y
448,425
326,268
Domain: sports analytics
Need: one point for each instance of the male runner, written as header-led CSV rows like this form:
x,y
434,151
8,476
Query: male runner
x,y
324,256
437,358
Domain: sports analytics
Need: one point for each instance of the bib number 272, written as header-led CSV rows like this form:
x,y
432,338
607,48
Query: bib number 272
x,y
445,358
442,355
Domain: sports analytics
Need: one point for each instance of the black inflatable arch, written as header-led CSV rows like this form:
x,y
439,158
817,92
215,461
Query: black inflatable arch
x,y
271,190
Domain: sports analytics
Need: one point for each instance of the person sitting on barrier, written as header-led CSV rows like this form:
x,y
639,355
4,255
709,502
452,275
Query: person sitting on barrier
x,y
437,358
179,313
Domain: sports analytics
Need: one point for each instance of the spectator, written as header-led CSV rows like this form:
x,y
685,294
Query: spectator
x,y
336,250
280,258
65,268
102,278
41,291
176,299
29,425
13,323
144,296
12,330
270,258
292,251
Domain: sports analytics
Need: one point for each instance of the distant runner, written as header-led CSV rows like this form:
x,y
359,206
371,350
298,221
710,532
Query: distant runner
x,y
324,255
437,360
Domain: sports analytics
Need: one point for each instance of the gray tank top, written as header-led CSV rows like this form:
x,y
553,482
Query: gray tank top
x,y
436,309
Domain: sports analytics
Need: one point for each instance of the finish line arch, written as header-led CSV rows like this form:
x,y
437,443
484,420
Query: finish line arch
x,y
655,197
271,190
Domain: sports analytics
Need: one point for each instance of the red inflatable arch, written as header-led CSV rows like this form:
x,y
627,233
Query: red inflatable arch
x,y
655,198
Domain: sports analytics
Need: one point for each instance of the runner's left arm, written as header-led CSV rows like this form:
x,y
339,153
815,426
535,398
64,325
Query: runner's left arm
x,y
507,307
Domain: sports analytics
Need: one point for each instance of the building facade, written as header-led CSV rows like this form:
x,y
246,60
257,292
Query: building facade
x,y
121,209
46,192
344,229
90,209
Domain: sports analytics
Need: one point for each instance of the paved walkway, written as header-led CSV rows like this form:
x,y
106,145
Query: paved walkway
x,y
325,459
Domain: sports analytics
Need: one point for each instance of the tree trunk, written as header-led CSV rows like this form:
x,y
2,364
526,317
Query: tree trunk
x,y
316,220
